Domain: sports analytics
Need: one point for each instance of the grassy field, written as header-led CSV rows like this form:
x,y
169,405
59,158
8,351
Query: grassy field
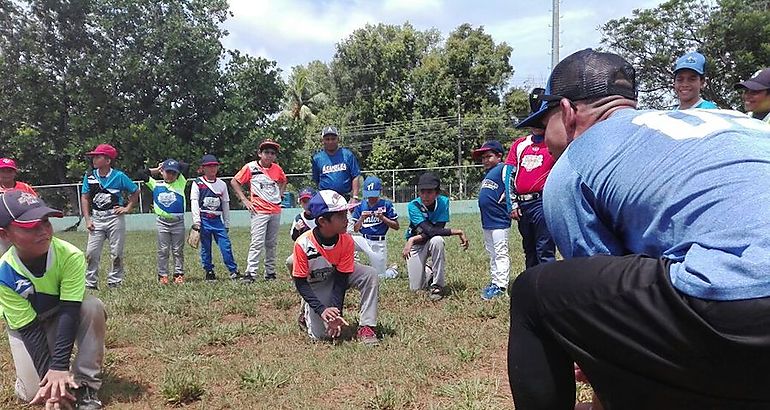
x,y
233,346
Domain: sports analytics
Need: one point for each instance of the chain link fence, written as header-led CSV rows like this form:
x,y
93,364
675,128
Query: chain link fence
x,y
398,185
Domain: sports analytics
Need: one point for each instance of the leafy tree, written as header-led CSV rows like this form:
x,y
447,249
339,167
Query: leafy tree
x,y
730,33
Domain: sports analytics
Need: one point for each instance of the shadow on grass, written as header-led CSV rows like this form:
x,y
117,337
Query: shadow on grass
x,y
117,389
455,287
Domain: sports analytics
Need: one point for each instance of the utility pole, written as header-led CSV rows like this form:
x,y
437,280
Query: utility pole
x,y
555,35
459,138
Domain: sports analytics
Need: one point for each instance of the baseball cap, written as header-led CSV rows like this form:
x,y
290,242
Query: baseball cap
x,y
534,99
327,201
306,192
493,145
758,82
372,187
8,163
269,144
694,61
584,75
428,180
24,209
209,159
329,130
104,149
171,165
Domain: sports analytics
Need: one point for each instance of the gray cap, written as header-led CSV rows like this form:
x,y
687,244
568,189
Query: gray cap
x,y
758,82
329,130
24,208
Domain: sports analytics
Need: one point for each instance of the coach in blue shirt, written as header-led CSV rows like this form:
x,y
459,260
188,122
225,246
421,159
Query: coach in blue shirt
x,y
663,298
336,168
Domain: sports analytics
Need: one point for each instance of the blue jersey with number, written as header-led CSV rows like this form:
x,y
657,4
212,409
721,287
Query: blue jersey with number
x,y
492,204
690,186
372,225
335,172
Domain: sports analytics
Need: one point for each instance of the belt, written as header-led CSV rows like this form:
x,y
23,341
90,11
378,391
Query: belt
x,y
101,214
529,197
171,218
210,215
374,237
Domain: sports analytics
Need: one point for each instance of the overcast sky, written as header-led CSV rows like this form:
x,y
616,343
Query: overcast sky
x,y
294,32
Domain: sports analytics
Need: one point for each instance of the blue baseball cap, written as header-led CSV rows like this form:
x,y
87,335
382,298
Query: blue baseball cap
x,y
493,145
171,165
372,187
306,192
209,159
327,201
694,61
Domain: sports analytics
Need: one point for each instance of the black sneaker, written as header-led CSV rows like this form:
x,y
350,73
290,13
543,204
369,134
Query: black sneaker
x,y
270,277
435,293
210,276
235,275
113,285
247,278
86,398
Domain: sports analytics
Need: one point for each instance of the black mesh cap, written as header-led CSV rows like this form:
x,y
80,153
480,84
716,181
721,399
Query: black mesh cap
x,y
584,75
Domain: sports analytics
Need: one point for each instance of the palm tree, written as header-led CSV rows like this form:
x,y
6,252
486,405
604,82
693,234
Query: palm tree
x,y
302,98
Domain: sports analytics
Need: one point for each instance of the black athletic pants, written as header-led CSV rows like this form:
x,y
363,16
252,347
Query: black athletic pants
x,y
642,344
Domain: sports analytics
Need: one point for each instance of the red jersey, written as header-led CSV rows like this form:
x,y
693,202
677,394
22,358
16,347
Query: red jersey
x,y
533,162
263,185
21,186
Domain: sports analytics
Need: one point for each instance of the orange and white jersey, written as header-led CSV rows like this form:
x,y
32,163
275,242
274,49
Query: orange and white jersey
x,y
316,262
264,184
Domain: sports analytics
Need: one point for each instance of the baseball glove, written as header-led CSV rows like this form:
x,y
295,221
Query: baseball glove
x,y
194,238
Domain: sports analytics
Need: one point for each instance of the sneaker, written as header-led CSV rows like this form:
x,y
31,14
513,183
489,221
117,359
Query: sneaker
x,y
210,276
86,398
179,279
435,293
247,278
367,336
390,273
234,275
492,291
302,323
163,280
113,285
270,277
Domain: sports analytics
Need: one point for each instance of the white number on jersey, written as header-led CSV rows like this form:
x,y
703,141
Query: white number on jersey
x,y
680,129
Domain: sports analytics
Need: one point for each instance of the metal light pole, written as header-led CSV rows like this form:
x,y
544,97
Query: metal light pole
x,y
555,35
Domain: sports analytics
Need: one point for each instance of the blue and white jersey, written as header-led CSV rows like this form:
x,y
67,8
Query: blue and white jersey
x,y
106,192
372,225
494,210
335,172
690,186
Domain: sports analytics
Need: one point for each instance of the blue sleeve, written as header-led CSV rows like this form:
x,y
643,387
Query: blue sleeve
x,y
356,213
127,184
354,170
390,211
314,169
415,215
84,189
573,217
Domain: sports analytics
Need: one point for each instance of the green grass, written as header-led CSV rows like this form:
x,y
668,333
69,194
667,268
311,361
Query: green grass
x,y
229,345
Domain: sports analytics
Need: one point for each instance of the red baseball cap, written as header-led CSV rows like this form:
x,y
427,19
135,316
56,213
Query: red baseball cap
x,y
8,163
104,149
269,144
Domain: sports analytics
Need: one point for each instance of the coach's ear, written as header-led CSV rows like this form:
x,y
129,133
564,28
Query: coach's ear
x,y
568,117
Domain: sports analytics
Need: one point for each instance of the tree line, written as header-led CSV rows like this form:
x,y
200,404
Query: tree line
x,y
152,78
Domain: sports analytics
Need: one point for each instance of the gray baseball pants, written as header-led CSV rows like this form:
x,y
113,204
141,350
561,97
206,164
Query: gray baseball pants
x,y
170,241
420,273
113,229
264,237
87,365
365,279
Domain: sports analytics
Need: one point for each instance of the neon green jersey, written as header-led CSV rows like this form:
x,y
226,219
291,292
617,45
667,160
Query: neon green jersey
x,y
169,199
23,297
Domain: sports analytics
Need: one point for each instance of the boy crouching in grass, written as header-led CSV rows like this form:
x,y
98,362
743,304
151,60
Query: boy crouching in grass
x,y
42,297
168,200
324,269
